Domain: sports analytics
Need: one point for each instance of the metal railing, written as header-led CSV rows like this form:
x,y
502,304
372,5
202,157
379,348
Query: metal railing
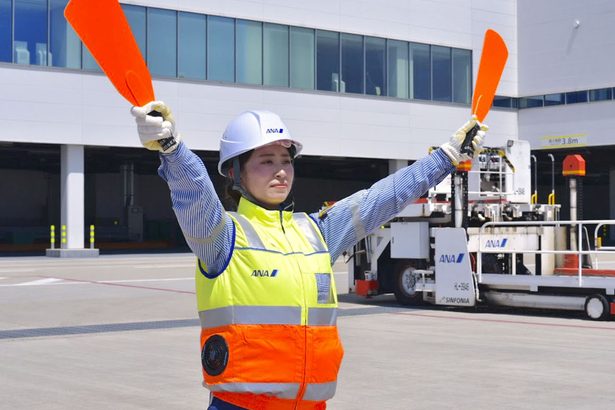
x,y
500,173
579,226
598,238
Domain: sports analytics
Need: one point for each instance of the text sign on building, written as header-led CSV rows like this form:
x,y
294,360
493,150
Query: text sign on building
x,y
563,141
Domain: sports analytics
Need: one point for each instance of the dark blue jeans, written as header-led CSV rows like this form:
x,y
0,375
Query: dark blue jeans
x,y
217,404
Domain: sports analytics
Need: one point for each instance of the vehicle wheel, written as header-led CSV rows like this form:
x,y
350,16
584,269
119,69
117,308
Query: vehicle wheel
x,y
597,307
405,285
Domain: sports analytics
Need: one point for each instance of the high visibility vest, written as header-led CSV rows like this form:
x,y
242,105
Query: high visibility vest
x,y
269,338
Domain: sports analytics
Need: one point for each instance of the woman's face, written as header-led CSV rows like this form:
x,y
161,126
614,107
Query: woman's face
x,y
268,174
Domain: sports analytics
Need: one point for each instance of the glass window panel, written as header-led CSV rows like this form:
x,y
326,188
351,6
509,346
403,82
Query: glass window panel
x,y
375,65
554,99
88,62
352,63
302,58
501,101
327,60
6,16
442,79
192,32
531,102
420,71
249,48
576,97
136,19
275,54
220,49
30,45
397,68
65,47
601,94
162,42
462,75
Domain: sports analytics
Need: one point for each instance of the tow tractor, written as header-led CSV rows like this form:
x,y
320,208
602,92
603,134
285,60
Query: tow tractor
x,y
480,237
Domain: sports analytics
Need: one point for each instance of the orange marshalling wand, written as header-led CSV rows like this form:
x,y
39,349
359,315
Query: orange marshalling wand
x,y
492,62
103,28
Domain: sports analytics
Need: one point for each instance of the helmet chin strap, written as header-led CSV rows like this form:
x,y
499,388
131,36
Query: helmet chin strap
x,y
287,205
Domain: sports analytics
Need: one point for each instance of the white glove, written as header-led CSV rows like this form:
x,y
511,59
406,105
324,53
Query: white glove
x,y
157,133
453,148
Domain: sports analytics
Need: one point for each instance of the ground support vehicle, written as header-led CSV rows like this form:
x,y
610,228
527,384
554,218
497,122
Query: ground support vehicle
x,y
480,237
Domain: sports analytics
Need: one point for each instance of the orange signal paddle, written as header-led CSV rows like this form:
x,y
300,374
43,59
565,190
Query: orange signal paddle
x,y
492,62
103,28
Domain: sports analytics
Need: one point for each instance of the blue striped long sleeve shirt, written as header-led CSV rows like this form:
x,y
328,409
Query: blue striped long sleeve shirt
x,y
208,231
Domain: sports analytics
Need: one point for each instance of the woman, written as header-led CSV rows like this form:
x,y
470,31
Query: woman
x,y
265,289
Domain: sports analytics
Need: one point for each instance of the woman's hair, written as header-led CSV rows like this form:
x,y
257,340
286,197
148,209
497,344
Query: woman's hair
x,y
231,196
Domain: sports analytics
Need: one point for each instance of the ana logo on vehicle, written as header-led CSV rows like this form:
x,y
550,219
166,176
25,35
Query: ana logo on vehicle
x,y
451,258
275,131
496,243
264,273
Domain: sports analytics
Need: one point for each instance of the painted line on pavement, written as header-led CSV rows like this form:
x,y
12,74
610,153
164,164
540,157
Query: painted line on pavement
x,y
101,328
132,326
170,324
174,265
146,280
126,286
16,270
58,282
45,281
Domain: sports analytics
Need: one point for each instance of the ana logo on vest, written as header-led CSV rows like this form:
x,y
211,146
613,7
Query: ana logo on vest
x,y
444,258
275,131
261,273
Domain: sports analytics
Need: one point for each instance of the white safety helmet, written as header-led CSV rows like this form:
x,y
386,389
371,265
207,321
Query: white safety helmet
x,y
251,130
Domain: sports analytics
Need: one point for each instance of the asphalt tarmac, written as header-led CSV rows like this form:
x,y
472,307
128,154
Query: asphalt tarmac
x,y
122,332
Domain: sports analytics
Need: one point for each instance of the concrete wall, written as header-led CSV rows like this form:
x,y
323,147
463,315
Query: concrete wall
x,y
590,124
73,107
555,55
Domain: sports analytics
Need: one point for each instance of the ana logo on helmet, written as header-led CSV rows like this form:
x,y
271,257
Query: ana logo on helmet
x,y
275,131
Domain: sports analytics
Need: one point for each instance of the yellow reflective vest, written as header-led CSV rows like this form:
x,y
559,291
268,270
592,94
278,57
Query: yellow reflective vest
x,y
268,321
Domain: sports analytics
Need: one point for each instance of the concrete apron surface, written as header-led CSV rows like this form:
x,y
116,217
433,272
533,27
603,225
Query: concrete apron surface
x,y
122,332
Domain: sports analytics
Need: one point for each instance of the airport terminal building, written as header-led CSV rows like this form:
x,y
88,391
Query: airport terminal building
x,y
366,86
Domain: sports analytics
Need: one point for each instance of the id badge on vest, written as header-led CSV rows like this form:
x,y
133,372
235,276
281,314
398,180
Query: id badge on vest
x,y
323,286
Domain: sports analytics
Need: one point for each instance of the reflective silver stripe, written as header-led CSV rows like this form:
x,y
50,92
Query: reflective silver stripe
x,y
319,391
322,316
303,221
213,236
280,390
250,315
254,241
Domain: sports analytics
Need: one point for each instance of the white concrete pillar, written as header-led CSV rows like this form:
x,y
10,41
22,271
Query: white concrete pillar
x,y
396,165
72,195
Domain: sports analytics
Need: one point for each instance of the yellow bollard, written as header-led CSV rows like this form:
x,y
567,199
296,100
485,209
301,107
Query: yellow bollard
x,y
52,236
63,236
91,236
